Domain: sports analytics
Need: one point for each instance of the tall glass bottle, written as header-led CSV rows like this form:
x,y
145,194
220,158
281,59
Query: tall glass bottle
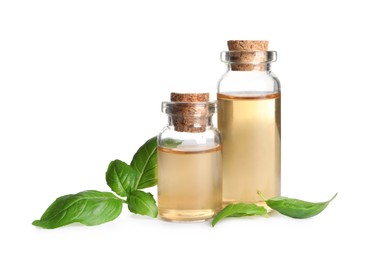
x,y
189,160
249,121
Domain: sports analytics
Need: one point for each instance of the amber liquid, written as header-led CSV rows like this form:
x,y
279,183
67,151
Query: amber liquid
x,y
250,127
189,184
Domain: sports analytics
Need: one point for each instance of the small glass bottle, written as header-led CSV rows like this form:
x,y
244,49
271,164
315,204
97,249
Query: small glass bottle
x,y
189,160
249,121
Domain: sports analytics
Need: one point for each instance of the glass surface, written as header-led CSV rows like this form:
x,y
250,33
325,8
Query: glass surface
x,y
249,119
189,164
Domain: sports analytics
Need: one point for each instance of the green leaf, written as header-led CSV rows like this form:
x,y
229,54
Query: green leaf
x,y
121,178
142,203
239,210
88,207
145,163
296,208
170,143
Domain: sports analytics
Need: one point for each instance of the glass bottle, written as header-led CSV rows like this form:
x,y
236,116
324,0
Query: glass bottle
x,y
249,121
189,160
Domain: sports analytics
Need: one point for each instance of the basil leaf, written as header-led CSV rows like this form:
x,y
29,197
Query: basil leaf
x,y
170,143
88,207
142,203
145,163
296,208
239,210
121,178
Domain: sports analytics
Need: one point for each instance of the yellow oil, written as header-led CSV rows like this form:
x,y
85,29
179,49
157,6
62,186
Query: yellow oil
x,y
250,128
189,183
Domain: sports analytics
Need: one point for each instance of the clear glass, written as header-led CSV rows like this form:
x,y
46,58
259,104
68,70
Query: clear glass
x,y
249,113
189,165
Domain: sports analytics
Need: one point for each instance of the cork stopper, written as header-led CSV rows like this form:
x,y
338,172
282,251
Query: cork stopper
x,y
247,54
189,97
190,115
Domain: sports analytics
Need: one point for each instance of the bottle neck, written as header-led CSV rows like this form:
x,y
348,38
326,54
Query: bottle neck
x,y
191,117
248,60
266,67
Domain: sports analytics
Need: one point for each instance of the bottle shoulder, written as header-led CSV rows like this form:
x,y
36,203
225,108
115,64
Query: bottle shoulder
x,y
249,81
169,138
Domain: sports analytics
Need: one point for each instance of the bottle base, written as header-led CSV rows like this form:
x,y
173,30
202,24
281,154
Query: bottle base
x,y
174,215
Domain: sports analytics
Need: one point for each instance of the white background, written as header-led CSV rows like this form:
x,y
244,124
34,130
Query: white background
x,y
81,84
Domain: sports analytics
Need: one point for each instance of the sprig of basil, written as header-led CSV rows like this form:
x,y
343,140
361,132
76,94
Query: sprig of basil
x,y
121,178
239,210
88,207
142,203
295,208
145,163
94,207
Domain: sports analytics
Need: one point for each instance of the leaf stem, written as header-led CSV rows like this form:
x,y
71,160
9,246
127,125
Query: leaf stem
x,y
333,197
261,195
